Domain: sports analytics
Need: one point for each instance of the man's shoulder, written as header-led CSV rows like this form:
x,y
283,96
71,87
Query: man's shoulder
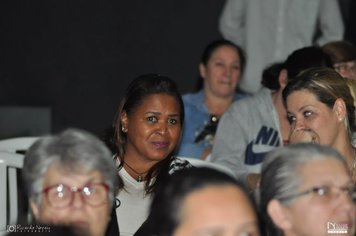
x,y
251,102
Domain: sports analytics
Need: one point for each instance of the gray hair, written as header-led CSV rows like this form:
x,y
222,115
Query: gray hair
x,y
280,172
76,151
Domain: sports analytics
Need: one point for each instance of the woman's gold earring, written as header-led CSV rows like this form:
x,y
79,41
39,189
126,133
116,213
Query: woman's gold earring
x,y
123,129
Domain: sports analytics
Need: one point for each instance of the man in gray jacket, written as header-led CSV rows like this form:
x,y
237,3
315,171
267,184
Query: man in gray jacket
x,y
269,30
255,125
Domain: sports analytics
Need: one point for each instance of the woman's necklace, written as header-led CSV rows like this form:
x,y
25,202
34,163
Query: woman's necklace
x,y
140,176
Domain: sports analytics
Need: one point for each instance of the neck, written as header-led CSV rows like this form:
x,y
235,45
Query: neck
x,y
138,175
136,166
342,143
282,113
350,156
348,152
217,105
278,103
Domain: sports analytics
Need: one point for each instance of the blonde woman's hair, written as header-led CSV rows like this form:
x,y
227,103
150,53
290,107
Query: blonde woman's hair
x,y
327,85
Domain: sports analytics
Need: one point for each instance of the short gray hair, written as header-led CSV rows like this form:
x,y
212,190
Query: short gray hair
x,y
280,175
73,149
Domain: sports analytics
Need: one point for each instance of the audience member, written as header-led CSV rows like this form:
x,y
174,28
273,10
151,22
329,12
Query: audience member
x,y
148,126
258,124
220,69
201,201
270,30
71,180
319,103
306,190
343,57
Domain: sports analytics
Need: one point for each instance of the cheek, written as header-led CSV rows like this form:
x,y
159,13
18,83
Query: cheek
x,y
214,74
323,126
175,133
311,217
236,75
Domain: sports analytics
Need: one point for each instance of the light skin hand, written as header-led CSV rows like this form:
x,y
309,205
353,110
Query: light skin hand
x,y
303,136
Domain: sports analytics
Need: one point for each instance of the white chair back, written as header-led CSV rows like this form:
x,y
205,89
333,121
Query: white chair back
x,y
14,145
9,163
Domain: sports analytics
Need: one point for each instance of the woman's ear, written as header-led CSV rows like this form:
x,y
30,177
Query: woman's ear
x,y
340,109
202,70
124,122
35,209
283,78
279,215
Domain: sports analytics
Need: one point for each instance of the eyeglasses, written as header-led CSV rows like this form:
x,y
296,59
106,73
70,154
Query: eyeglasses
x,y
61,195
345,66
325,193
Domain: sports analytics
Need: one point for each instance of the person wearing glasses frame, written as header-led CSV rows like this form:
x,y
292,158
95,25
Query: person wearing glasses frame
x,y
71,180
306,190
343,56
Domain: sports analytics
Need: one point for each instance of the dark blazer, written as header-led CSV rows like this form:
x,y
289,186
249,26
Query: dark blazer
x,y
113,227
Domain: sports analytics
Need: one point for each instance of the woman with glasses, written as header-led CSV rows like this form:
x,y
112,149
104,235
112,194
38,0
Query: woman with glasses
x,y
343,56
71,180
306,190
320,109
147,127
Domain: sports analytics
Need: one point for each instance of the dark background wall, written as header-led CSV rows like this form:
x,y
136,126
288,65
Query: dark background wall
x,y
77,56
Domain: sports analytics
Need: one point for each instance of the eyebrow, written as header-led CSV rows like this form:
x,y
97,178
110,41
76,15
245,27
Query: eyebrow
x,y
89,181
247,224
304,107
159,113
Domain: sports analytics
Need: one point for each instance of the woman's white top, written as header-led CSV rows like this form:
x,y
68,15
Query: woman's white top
x,y
134,206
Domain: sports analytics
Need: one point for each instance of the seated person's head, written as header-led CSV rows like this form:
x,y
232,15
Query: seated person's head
x,y
221,67
343,57
320,101
277,75
71,180
305,58
201,201
306,189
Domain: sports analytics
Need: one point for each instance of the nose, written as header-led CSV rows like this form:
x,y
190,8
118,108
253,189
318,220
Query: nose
x,y
162,128
299,124
228,71
78,199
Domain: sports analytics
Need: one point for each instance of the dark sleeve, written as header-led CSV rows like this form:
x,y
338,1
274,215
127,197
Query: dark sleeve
x,y
113,227
142,229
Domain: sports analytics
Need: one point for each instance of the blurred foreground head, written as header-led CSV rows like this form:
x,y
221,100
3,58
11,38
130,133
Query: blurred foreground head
x,y
71,180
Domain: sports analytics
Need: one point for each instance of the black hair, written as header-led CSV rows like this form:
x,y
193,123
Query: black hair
x,y
270,76
304,58
169,196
